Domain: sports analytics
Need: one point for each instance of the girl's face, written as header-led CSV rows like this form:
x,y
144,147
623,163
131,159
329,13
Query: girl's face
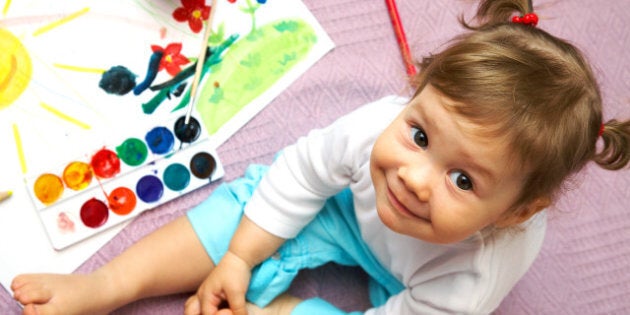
x,y
435,178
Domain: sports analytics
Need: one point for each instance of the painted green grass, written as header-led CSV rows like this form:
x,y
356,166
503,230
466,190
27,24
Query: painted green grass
x,y
250,67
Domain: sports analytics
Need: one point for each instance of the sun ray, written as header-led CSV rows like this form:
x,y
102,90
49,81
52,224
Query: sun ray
x,y
70,87
61,21
20,149
6,7
63,116
79,68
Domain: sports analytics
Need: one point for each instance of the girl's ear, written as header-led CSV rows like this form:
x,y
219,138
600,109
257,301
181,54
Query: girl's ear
x,y
523,213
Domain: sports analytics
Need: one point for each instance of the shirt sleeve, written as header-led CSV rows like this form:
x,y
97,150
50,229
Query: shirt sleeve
x,y
470,279
313,169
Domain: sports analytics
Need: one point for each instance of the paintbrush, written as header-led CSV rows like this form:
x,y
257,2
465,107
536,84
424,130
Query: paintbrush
x,y
399,31
4,195
200,61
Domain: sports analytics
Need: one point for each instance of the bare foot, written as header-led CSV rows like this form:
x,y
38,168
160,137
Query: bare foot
x,y
50,294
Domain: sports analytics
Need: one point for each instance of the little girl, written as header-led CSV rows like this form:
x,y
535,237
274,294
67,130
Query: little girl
x,y
439,198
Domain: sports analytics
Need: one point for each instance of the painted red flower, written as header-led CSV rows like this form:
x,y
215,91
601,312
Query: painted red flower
x,y
193,11
172,59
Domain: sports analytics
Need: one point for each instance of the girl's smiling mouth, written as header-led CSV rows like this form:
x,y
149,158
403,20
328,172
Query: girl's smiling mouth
x,y
402,208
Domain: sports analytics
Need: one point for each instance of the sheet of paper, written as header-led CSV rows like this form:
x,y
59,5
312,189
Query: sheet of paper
x,y
56,106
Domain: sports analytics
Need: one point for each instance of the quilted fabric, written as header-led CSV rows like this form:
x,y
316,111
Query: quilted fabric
x,y
584,264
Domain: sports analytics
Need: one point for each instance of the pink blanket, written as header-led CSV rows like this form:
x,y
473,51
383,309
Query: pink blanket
x,y
584,264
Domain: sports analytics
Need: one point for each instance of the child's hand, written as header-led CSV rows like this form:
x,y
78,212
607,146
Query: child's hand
x,y
228,281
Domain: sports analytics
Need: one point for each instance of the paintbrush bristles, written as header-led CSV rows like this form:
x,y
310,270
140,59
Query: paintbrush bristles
x,y
200,61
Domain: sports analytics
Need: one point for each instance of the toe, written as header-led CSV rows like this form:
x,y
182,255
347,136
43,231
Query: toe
x,y
31,293
30,309
18,282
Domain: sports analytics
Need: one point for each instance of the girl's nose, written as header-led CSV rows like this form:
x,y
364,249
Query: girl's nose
x,y
419,179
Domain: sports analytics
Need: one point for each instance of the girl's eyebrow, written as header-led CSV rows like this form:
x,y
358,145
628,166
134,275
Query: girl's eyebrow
x,y
489,175
478,168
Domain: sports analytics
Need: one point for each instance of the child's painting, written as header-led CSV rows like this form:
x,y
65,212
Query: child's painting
x,y
74,73
91,95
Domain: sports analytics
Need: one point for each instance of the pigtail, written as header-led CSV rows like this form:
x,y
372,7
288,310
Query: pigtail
x,y
616,151
537,90
492,12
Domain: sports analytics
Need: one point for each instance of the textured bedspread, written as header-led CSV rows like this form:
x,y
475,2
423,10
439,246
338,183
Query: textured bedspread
x,y
584,267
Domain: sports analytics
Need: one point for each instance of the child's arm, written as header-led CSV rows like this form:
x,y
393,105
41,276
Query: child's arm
x,y
229,280
253,244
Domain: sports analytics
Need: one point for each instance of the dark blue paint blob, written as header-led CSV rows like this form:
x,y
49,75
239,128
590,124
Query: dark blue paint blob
x,y
117,80
152,70
160,140
149,189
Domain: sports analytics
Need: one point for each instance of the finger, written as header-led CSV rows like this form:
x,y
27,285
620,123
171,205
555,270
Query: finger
x,y
237,304
192,306
225,311
209,303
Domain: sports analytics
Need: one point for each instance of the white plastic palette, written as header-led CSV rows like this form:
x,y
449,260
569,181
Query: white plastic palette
x,y
117,183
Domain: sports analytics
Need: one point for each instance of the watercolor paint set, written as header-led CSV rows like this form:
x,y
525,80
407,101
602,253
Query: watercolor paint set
x,y
118,182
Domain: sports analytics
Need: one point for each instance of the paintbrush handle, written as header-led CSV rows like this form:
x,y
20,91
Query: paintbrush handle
x,y
401,38
5,195
200,61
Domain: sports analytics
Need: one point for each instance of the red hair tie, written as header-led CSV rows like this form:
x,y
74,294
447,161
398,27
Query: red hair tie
x,y
527,19
601,130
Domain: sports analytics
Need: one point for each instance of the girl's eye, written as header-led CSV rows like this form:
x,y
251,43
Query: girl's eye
x,y
461,180
419,137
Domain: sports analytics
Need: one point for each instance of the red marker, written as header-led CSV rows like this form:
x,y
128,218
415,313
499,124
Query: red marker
x,y
400,37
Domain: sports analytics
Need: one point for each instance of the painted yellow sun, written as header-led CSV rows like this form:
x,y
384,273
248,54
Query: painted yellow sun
x,y
51,102
15,68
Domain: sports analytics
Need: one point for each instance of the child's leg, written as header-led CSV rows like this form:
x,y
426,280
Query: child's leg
x,y
169,260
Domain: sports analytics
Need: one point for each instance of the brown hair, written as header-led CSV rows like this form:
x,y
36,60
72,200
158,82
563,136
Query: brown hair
x,y
520,82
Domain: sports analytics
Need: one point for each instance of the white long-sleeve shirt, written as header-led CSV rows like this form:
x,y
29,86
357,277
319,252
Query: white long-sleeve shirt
x,y
468,277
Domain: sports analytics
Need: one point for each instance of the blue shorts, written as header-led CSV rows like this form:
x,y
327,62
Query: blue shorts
x,y
333,236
